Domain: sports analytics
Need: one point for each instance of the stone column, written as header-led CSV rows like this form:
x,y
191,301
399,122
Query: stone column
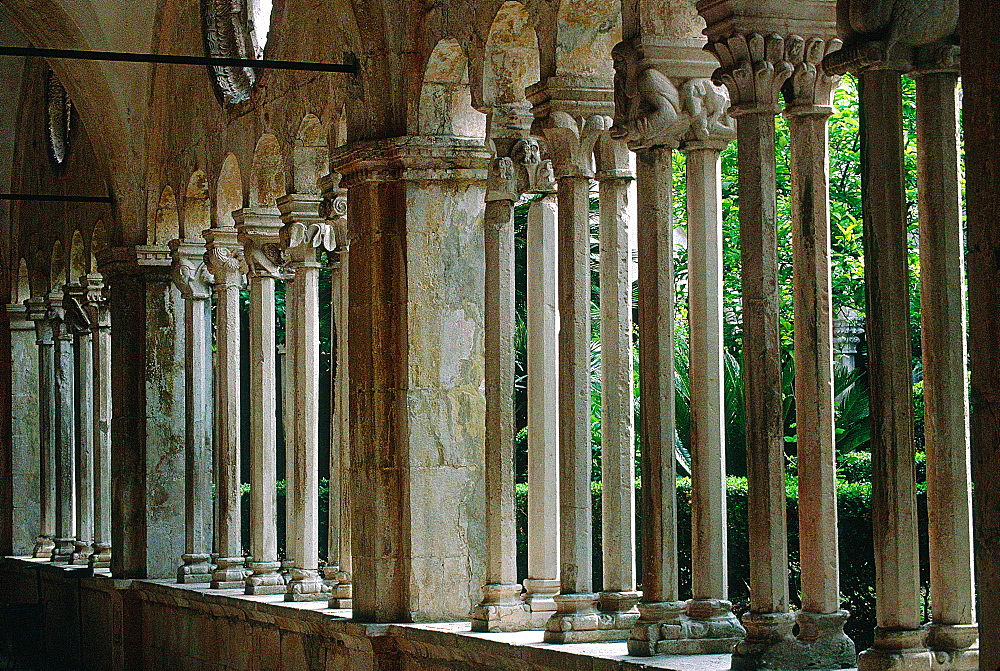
x,y
258,232
26,461
65,434
303,236
809,98
571,133
335,202
618,596
542,582
943,328
38,313
147,428
194,281
981,102
225,261
100,326
754,105
83,393
287,353
416,377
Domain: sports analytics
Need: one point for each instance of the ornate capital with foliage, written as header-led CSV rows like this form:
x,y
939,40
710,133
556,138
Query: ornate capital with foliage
x,y
306,231
753,67
224,257
518,168
810,88
189,271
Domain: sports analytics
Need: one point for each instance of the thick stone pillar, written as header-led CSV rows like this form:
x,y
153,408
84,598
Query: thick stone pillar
x,y
25,458
981,105
808,97
572,132
258,232
303,236
416,313
38,312
943,328
224,259
194,281
542,582
96,306
83,395
754,105
147,428
340,559
65,430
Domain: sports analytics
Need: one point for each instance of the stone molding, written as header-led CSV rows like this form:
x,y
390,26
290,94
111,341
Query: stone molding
x,y
17,317
132,260
416,158
38,312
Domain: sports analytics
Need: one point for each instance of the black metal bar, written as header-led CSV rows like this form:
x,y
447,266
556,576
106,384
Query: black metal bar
x,y
43,198
211,61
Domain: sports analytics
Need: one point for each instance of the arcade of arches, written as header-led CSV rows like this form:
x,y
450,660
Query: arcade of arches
x,y
136,403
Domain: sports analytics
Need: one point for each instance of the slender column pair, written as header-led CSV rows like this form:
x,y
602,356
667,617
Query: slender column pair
x,y
65,433
83,393
305,233
38,312
95,305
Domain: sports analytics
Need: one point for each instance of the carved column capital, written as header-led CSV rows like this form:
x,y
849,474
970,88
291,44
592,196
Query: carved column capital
x,y
57,315
38,312
334,209
810,88
571,113
258,231
74,300
95,302
224,256
306,231
754,68
17,317
189,272
517,168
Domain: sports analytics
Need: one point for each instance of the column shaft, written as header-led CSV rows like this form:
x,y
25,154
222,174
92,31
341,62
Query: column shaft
x,y
101,343
814,412
762,364
84,396
654,195
26,461
65,443
341,597
709,547
288,412
44,544
894,510
198,454
942,313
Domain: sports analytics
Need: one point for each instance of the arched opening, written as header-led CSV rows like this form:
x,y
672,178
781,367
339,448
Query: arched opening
x,y
229,192
310,157
22,291
267,172
260,24
98,241
445,97
77,258
511,62
586,31
166,226
57,267
197,207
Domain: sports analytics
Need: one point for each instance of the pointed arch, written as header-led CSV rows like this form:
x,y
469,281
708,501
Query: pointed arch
x,y
445,97
166,226
512,61
77,257
57,267
197,207
22,291
98,241
39,274
229,193
310,157
267,172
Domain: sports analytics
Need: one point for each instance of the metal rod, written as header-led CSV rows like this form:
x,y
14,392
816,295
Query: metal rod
x,y
211,61
43,198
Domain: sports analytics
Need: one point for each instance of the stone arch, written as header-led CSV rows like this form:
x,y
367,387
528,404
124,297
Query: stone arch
x,y
39,274
197,207
310,156
512,60
338,129
267,172
77,257
98,241
445,97
57,267
166,226
22,291
586,31
229,193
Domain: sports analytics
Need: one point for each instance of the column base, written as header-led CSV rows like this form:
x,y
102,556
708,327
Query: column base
x,y
306,585
229,573
43,547
101,558
501,609
196,569
63,551
81,553
286,567
341,594
265,579
577,620
955,647
896,650
769,635
539,596
695,627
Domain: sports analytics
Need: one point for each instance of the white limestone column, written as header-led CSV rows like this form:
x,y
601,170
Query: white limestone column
x,y
287,353
618,596
304,234
65,501
943,328
83,395
100,326
542,582
225,261
194,281
26,460
38,312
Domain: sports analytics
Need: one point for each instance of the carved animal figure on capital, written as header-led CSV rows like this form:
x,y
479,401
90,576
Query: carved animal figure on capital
x,y
911,22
